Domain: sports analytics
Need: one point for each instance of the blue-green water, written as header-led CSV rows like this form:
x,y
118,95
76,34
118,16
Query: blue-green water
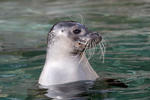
x,y
124,24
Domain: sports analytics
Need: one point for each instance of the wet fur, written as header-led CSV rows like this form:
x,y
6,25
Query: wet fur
x,y
60,65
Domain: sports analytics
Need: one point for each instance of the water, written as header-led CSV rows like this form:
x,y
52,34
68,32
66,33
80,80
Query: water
x,y
24,25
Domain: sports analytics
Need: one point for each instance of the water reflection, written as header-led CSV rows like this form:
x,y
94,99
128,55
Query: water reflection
x,y
81,90
70,91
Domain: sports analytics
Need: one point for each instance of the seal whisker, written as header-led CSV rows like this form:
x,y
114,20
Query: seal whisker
x,y
94,45
81,18
90,50
86,47
102,49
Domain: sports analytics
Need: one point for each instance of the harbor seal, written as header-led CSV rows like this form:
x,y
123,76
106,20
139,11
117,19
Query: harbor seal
x,y
65,59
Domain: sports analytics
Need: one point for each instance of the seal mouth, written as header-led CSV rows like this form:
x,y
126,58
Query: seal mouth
x,y
87,42
90,40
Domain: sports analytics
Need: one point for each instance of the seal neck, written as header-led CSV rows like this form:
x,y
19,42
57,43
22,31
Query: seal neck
x,y
63,67
60,50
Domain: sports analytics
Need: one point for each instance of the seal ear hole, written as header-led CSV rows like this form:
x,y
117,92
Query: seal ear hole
x,y
77,31
62,30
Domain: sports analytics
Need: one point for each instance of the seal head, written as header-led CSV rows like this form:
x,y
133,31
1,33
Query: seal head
x,y
78,34
65,58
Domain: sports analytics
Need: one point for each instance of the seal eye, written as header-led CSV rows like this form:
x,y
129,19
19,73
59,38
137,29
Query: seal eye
x,y
76,31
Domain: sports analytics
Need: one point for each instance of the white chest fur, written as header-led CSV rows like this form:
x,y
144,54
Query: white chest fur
x,y
61,68
66,70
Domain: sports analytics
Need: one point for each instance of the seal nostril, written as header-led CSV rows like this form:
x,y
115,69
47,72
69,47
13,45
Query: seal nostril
x,y
95,35
100,37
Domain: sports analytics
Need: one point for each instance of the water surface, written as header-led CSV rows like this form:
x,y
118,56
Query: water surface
x,y
24,25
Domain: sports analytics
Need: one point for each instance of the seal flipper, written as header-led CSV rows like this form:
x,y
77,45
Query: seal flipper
x,y
114,82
